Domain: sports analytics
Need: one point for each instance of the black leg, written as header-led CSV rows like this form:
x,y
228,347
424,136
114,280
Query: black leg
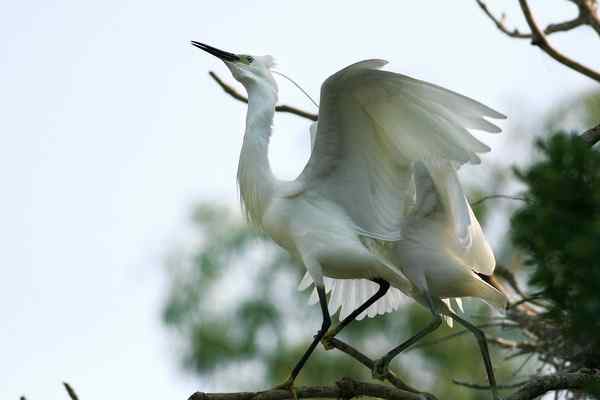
x,y
326,324
383,288
381,365
483,347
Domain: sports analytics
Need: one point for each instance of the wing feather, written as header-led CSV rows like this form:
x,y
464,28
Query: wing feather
x,y
373,127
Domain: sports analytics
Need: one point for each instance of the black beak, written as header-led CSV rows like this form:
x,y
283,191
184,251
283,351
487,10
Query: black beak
x,y
223,55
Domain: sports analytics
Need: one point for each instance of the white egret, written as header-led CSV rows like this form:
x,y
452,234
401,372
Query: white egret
x,y
379,199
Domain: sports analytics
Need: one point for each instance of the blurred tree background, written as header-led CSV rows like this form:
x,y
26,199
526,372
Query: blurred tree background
x,y
240,323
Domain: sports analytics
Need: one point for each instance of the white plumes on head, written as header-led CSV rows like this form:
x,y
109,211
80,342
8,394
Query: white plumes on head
x,y
268,61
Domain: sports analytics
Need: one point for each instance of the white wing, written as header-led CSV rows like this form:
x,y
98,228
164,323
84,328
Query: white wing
x,y
439,191
373,125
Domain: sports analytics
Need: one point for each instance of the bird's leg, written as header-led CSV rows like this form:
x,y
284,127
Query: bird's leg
x,y
289,383
383,288
485,353
381,366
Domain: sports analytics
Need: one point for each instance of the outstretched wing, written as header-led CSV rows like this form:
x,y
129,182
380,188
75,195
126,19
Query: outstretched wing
x,y
373,125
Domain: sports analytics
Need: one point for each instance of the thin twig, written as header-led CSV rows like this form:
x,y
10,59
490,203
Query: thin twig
x,y
506,274
539,40
497,196
487,387
280,108
345,388
500,23
585,17
523,364
559,381
588,11
460,333
530,299
511,344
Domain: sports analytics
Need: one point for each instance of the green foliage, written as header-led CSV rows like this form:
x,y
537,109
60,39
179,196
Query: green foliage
x,y
559,230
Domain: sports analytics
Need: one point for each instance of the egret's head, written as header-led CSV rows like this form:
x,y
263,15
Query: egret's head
x,y
245,68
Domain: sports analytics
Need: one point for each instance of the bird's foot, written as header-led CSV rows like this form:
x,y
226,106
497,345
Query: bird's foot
x,y
288,385
380,369
326,340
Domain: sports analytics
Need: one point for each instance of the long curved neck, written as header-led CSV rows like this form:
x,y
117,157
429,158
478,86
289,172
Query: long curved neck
x,y
255,178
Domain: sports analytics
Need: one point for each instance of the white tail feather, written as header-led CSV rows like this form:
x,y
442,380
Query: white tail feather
x,y
346,295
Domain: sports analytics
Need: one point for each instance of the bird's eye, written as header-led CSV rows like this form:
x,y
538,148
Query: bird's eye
x,y
250,59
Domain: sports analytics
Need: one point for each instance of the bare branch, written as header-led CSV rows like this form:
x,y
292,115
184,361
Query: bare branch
x,y
581,20
592,136
497,196
539,39
565,26
588,12
345,388
280,108
511,344
454,335
487,387
506,274
500,23
560,381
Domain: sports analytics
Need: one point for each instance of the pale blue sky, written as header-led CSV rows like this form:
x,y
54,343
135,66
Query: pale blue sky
x,y
111,130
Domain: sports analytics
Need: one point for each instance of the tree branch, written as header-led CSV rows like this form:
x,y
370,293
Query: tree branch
x,y
588,12
487,387
591,136
345,388
280,108
500,23
539,40
560,381
497,196
565,26
587,16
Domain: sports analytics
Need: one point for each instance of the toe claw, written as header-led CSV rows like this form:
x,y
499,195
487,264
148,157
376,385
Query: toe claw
x,y
288,385
380,370
326,342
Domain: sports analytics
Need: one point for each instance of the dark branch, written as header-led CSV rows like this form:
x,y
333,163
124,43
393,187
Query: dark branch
x,y
280,108
587,16
497,196
592,136
539,39
506,274
500,23
588,12
487,387
454,335
565,26
560,381
345,388
582,19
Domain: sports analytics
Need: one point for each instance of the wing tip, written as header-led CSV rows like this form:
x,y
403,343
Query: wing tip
x,y
495,114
